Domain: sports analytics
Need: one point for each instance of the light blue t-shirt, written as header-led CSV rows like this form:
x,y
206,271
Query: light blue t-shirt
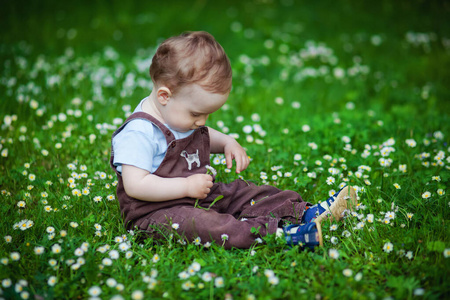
x,y
142,144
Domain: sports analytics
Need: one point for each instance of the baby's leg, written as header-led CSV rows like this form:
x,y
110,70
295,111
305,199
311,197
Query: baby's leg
x,y
247,200
201,226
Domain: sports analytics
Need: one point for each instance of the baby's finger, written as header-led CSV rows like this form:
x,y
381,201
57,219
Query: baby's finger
x,y
240,164
229,160
245,163
210,182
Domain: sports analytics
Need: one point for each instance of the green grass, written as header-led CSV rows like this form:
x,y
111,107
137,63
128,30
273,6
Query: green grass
x,y
69,68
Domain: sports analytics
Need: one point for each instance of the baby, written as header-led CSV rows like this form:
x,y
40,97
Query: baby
x,y
162,151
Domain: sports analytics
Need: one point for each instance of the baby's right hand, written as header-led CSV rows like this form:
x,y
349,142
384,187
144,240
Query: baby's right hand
x,y
199,185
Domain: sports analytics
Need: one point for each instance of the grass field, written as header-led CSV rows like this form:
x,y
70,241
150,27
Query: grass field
x,y
325,93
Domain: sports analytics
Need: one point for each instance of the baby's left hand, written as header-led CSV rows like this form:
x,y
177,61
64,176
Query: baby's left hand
x,y
233,150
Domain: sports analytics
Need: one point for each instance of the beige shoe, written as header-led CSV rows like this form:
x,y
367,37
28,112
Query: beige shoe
x,y
346,200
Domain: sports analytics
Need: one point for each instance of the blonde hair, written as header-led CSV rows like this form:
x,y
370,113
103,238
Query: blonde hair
x,y
192,57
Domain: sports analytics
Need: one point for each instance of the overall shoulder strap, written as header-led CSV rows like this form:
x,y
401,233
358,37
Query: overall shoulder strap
x,y
145,116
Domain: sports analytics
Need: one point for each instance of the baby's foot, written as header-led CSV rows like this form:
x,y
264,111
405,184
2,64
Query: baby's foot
x,y
306,235
345,200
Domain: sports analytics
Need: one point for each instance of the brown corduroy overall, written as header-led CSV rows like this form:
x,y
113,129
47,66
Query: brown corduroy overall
x,y
243,206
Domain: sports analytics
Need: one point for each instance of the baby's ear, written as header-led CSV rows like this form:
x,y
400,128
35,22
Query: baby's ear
x,y
163,94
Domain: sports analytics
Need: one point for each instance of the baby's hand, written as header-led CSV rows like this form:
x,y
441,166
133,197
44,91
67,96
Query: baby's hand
x,y
199,186
233,150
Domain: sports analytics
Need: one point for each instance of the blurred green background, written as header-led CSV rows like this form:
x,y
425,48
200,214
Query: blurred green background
x,y
347,27
139,23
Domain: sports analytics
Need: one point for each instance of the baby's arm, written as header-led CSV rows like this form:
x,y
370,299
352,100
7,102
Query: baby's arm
x,y
222,143
143,185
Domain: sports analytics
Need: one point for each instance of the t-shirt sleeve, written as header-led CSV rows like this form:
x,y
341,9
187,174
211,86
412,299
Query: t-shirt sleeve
x,y
134,147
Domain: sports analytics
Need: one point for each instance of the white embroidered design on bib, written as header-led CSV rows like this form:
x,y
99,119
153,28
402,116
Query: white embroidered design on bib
x,y
191,158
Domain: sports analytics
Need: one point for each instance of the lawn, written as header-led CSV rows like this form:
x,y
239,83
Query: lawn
x,y
325,94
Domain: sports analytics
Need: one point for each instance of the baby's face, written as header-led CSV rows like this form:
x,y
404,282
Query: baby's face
x,y
190,107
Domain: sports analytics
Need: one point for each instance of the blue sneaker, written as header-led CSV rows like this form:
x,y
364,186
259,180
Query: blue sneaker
x,y
335,205
345,201
306,235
